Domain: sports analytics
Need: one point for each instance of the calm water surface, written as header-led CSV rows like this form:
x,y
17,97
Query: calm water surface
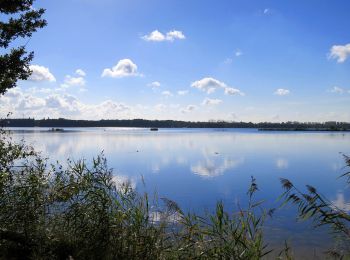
x,y
197,167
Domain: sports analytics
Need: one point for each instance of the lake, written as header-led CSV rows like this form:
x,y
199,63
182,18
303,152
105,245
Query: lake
x,y
198,167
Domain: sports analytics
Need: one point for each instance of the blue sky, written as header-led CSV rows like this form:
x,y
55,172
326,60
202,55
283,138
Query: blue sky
x,y
189,60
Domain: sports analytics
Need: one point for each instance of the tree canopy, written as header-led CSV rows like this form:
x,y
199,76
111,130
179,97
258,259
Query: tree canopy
x,y
19,20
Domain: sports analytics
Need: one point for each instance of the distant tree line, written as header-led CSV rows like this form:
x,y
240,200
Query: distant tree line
x,y
61,122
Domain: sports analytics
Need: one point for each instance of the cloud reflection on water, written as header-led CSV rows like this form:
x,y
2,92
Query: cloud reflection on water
x,y
341,203
210,168
122,181
282,163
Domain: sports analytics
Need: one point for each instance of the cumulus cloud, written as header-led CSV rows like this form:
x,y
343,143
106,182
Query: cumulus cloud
x,y
340,52
174,105
30,102
172,35
59,105
13,93
233,116
233,91
41,73
73,81
188,109
154,84
167,93
182,92
80,72
34,90
157,36
209,85
238,53
210,102
338,90
124,68
159,107
282,92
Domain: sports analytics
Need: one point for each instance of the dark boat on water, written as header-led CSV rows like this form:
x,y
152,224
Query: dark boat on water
x,y
56,130
154,129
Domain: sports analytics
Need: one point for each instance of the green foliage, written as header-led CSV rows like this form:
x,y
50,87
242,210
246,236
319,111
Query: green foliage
x,y
21,21
77,210
323,212
222,235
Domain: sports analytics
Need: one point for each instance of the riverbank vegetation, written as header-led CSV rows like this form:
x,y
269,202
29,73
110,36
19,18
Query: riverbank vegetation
x,y
283,126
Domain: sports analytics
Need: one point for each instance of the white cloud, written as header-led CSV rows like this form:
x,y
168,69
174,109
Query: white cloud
x,y
209,85
238,53
80,72
167,93
13,93
228,61
124,68
340,52
157,36
34,90
154,84
160,107
282,92
172,35
337,90
233,91
73,81
41,73
210,90
266,11
174,105
233,116
209,101
188,109
182,92
26,104
30,102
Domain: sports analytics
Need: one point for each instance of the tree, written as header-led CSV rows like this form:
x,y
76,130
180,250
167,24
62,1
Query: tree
x,y
19,20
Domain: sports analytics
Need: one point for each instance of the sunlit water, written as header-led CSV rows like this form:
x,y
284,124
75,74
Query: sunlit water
x,y
198,167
